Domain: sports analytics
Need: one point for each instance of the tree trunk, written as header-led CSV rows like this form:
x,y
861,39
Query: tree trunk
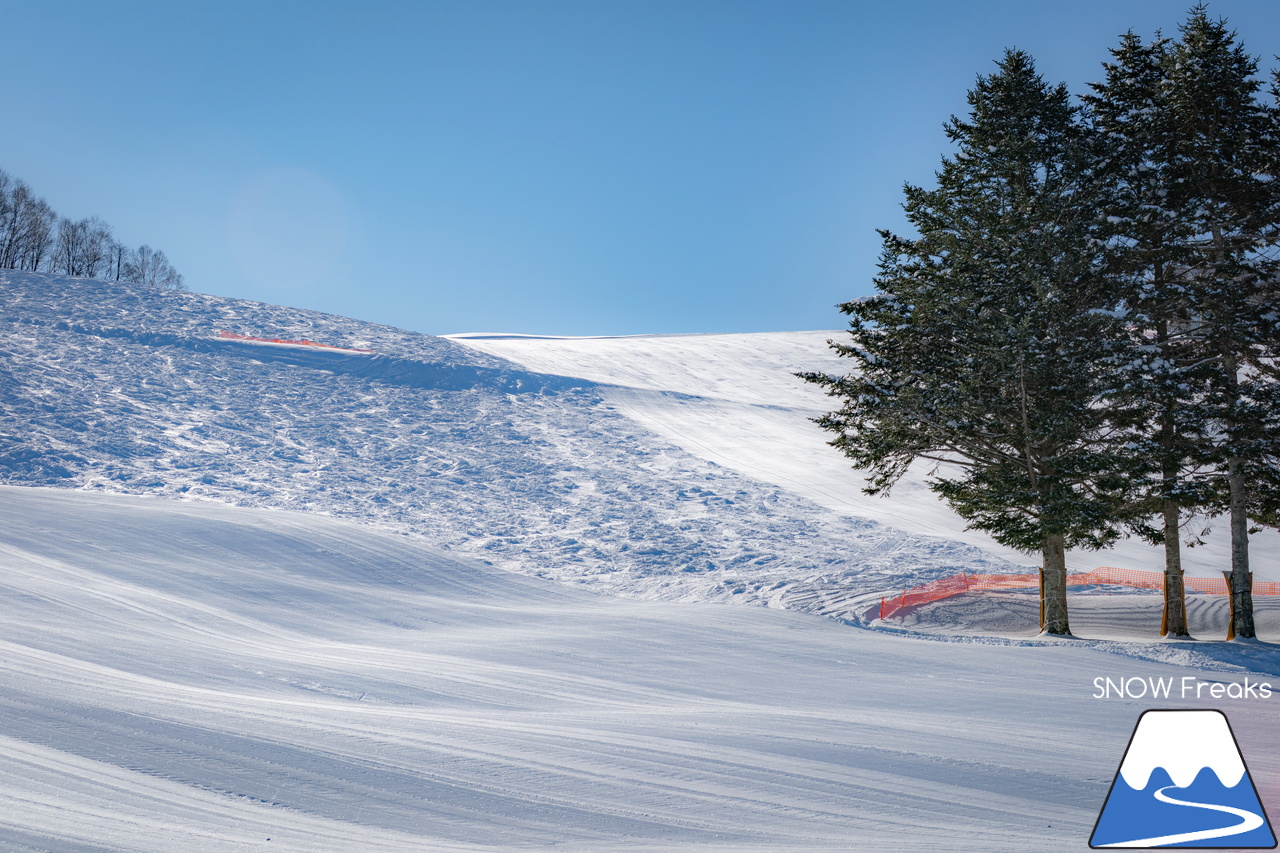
x,y
1174,621
1053,586
1240,579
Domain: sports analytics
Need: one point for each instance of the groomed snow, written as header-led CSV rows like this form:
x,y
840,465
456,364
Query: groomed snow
x,y
734,401
202,678
110,387
184,675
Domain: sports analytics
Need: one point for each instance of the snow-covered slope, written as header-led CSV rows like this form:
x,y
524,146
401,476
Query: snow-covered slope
x,y
682,467
734,401
189,677
182,674
109,388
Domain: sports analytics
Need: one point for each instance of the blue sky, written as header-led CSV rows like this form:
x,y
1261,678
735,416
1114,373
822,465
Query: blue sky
x,y
570,168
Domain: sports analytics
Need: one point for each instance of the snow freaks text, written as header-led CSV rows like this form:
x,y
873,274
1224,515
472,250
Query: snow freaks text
x,y
1186,687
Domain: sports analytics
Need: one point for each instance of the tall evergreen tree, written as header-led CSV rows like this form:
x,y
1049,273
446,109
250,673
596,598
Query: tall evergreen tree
x,y
1222,173
1192,158
1163,376
979,349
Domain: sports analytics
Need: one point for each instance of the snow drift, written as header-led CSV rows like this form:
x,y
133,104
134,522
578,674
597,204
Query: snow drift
x,y
184,674
202,678
110,388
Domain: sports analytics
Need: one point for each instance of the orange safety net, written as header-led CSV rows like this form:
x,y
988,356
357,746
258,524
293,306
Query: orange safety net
x,y
956,584
232,336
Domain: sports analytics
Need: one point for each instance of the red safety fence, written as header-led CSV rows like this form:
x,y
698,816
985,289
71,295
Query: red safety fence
x,y
956,584
232,336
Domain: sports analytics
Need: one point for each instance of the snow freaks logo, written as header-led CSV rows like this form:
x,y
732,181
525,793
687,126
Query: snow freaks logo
x,y
1183,783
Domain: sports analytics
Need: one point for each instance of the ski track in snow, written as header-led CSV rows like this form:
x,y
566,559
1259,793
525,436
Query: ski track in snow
x,y
194,677
734,401
392,667
108,389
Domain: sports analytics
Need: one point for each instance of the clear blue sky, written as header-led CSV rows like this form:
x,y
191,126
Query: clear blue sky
x,y
602,167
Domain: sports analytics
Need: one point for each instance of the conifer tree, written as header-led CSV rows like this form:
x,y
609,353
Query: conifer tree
x,y
1162,375
1192,165
1223,177
979,351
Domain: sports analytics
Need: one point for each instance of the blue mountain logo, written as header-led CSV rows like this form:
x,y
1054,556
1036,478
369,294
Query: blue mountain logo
x,y
1183,783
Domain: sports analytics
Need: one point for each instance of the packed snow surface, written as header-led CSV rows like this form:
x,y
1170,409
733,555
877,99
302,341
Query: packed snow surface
x,y
358,603
110,388
682,467
734,400
203,678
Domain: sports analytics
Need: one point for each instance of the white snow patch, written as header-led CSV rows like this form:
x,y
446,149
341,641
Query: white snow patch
x,y
196,677
732,399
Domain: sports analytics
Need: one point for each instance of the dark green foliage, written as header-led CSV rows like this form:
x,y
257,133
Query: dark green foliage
x,y
980,350
1083,335
1160,374
1197,207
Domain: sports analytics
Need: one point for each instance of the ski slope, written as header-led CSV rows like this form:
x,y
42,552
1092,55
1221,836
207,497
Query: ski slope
x,y
468,594
733,400
109,387
679,468
188,676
